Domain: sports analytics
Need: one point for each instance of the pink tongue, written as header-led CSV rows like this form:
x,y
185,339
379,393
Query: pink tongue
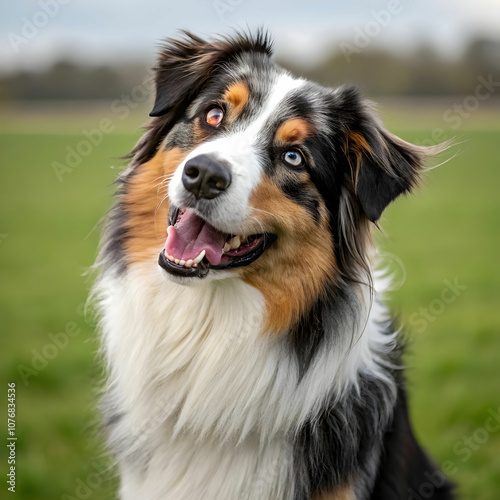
x,y
191,236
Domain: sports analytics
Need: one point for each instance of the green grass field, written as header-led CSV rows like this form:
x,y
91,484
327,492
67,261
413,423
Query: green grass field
x,y
446,233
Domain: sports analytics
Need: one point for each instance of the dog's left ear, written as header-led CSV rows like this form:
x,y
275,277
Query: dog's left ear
x,y
382,166
385,167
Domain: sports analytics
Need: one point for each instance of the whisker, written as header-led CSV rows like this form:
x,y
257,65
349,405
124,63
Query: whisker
x,y
157,208
269,213
164,179
259,223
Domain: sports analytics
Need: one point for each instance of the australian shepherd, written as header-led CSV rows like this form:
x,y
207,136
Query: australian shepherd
x,y
249,355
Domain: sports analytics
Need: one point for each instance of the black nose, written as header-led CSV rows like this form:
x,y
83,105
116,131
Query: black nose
x,y
205,177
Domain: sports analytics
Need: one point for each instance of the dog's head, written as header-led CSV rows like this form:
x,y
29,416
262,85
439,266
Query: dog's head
x,y
248,172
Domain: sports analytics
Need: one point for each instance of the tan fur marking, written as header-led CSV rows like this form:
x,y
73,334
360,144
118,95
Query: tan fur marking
x,y
237,96
342,493
146,205
293,131
356,146
200,133
357,141
292,273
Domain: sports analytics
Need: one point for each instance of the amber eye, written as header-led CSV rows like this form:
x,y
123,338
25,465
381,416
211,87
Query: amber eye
x,y
293,157
214,116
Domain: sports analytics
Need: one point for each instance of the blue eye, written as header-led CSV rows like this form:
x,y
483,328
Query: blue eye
x,y
293,157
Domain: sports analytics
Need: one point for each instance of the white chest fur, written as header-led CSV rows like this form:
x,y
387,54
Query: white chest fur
x,y
205,397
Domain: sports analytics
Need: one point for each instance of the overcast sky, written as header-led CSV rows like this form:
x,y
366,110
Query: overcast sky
x,y
103,31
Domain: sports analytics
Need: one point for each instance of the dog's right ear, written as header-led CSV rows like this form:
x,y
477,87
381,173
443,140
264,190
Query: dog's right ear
x,y
183,67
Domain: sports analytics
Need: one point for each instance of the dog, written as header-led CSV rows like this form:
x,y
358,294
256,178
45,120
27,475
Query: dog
x,y
248,353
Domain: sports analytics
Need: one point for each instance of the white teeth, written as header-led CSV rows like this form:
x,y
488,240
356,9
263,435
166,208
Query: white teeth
x,y
234,242
199,258
189,262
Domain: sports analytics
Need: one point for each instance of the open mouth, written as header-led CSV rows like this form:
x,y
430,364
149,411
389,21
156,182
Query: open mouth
x,y
193,246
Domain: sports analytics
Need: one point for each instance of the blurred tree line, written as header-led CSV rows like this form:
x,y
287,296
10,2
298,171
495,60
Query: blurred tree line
x,y
379,72
421,73
68,80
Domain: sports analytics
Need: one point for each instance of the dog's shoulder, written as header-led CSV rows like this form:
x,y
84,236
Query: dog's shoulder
x,y
405,470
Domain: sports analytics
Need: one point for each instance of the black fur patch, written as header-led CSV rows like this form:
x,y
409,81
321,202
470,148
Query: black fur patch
x,y
336,311
361,434
303,195
405,470
337,447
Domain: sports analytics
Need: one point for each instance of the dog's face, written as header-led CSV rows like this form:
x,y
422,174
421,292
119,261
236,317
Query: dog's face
x,y
251,173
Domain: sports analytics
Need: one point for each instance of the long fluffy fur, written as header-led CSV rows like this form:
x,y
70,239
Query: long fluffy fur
x,y
206,396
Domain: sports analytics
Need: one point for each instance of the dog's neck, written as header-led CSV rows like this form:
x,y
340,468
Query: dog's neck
x,y
202,350
193,364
